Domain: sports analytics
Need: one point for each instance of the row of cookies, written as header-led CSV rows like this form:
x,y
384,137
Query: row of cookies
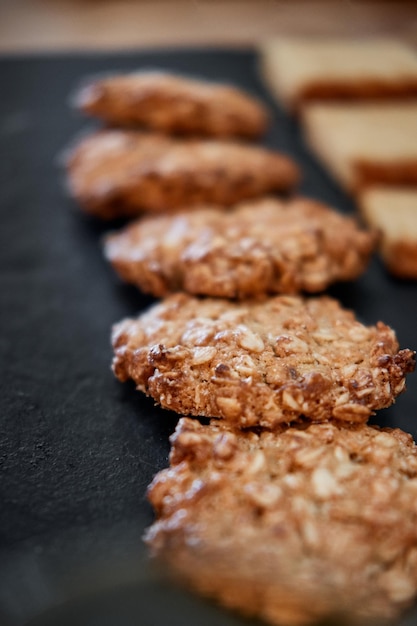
x,y
173,143
261,246
252,511
289,507
357,100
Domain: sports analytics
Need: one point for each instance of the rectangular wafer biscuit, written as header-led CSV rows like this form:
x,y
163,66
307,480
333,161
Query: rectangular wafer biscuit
x,y
299,70
394,212
364,144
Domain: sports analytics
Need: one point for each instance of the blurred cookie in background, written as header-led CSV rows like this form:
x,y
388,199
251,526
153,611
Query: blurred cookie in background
x,y
173,104
393,211
116,173
364,144
300,70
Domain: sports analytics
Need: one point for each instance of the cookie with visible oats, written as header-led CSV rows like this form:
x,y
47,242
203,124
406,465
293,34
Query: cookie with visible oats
x,y
169,103
261,363
292,525
264,246
122,173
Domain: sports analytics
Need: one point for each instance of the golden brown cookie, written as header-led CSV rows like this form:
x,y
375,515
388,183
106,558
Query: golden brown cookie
x,y
173,104
264,246
300,70
393,210
292,525
261,363
114,173
364,145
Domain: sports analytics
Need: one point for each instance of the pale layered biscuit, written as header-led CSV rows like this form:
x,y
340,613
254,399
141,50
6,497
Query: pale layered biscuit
x,y
263,246
123,173
261,363
294,525
300,70
365,144
393,211
173,104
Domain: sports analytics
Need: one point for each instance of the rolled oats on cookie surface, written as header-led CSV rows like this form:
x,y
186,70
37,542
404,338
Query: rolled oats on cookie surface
x,y
258,247
261,362
291,525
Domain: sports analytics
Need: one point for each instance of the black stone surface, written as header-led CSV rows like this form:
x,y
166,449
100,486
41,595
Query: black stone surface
x,y
77,448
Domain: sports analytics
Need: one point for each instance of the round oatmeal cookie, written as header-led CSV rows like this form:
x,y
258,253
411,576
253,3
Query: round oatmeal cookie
x,y
122,173
291,525
264,246
173,104
261,363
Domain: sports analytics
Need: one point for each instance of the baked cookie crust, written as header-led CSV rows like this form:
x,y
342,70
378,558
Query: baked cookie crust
x,y
261,363
173,104
264,246
292,525
116,173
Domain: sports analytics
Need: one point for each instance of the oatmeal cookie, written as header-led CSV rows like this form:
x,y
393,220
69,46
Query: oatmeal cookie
x,y
173,104
264,246
291,525
261,363
114,172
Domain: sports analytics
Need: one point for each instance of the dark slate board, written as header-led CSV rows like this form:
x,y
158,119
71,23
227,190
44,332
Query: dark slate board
x,y
77,448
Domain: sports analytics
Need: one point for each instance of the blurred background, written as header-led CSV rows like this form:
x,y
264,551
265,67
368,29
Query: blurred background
x,y
30,25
